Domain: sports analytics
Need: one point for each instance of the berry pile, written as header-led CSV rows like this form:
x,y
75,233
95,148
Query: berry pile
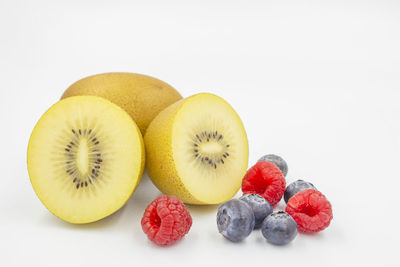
x,y
265,179
263,186
166,220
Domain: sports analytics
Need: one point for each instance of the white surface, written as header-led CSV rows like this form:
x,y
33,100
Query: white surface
x,y
316,82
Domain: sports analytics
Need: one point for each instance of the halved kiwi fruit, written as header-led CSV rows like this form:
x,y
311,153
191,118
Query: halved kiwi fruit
x,y
197,150
85,158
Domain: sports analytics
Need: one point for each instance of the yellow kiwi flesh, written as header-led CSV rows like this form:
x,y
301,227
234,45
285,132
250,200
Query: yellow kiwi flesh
x,y
142,96
197,150
85,158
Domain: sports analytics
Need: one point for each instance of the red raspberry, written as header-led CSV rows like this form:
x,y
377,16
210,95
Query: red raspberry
x,y
311,210
166,220
265,179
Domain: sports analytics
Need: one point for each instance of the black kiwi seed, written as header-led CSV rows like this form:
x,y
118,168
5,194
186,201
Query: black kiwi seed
x,y
95,165
207,136
198,137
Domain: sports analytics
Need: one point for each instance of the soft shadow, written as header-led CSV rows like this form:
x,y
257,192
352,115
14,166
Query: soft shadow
x,y
202,209
145,193
315,236
260,239
133,209
230,243
54,221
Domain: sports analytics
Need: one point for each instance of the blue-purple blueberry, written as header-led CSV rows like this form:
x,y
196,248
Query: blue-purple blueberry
x,y
235,220
278,161
279,228
295,187
260,206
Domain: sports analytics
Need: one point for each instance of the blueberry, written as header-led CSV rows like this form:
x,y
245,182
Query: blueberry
x,y
279,228
260,207
295,187
278,161
235,220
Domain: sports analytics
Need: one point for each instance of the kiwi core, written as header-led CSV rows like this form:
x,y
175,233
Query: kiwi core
x,y
210,148
82,157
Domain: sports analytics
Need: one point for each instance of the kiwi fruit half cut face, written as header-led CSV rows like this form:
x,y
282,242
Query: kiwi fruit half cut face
x,y
197,149
85,158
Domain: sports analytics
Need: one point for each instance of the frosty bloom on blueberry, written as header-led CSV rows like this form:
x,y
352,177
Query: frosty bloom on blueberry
x,y
278,161
279,228
235,220
261,208
295,187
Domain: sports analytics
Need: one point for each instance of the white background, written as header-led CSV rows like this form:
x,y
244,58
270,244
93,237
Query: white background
x,y
317,82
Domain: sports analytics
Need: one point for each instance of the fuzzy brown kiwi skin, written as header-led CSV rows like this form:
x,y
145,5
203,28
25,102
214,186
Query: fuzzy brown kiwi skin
x,y
142,96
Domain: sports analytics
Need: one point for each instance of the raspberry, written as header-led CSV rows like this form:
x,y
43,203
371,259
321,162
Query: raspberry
x,y
166,220
311,210
266,180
